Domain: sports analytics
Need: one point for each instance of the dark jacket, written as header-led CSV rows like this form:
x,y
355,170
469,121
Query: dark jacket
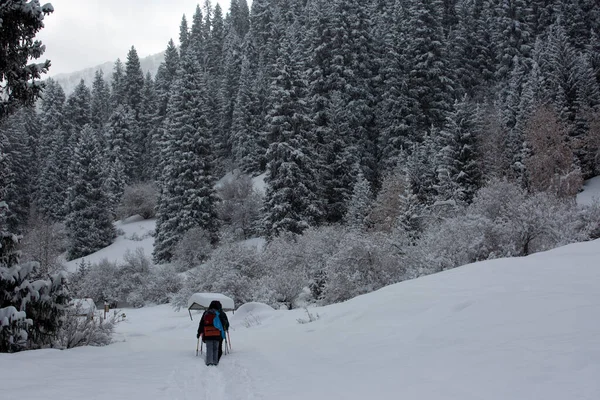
x,y
224,322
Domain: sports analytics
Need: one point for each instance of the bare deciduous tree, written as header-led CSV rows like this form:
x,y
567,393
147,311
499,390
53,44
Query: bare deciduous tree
x,y
551,165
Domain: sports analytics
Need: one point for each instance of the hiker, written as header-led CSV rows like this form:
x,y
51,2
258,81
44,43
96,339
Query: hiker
x,y
212,329
225,323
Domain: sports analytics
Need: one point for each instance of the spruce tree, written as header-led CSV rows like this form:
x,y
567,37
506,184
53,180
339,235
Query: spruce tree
x,y
187,199
359,204
78,112
118,95
459,175
89,224
100,107
21,21
292,200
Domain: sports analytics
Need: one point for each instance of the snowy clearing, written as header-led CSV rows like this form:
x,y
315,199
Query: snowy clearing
x,y
521,328
590,193
133,233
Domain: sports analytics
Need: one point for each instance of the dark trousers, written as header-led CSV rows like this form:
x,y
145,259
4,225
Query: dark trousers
x,y
212,352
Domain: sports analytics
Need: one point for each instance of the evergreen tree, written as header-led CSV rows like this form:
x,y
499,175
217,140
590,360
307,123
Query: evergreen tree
x,y
88,222
18,163
187,197
248,140
292,201
459,175
164,79
78,108
121,137
359,204
133,83
100,107
21,21
513,35
118,95
146,126
184,35
430,81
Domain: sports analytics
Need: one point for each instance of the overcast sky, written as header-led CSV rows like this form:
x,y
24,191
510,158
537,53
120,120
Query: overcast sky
x,y
85,33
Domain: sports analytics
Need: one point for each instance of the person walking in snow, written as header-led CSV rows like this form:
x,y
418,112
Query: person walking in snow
x,y
212,329
225,323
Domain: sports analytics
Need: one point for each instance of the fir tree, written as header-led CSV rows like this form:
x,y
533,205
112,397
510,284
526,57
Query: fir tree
x,y
88,222
21,21
187,197
133,83
78,107
359,204
292,201
118,95
459,175
100,107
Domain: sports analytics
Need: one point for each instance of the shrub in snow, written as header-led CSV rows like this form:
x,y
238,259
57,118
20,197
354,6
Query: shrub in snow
x,y
364,263
135,281
287,272
44,242
193,248
233,269
139,199
310,317
239,209
80,330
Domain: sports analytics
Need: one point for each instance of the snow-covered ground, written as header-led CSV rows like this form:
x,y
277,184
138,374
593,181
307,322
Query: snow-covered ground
x,y
590,193
522,328
133,233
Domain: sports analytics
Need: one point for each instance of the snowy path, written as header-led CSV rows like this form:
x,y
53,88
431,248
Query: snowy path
x,y
523,328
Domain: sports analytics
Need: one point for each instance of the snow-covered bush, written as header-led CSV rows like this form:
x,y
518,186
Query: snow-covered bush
x,y
239,209
233,269
80,330
44,242
364,263
139,199
193,248
135,281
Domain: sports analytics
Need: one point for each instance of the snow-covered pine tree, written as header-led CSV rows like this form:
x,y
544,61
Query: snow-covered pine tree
x,y
359,205
430,81
88,222
187,199
457,163
512,35
117,94
22,20
248,141
184,35
230,83
164,79
77,110
133,82
100,107
19,162
121,137
146,126
292,199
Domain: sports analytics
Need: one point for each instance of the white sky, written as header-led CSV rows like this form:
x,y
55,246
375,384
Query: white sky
x,y
85,33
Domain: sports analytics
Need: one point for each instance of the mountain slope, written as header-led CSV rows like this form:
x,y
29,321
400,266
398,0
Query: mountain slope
x,y
71,80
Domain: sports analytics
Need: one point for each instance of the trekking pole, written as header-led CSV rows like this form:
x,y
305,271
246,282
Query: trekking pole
x,y
197,345
229,341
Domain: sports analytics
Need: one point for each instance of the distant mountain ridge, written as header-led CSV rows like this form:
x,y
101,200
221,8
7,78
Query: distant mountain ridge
x,y
70,80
